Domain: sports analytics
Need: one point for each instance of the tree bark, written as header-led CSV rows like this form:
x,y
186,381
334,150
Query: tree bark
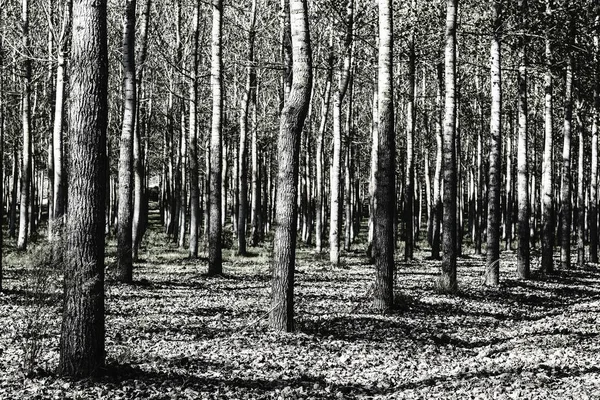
x,y
580,191
447,280
410,131
336,161
292,120
436,236
125,218
492,272
326,101
140,206
249,92
547,195
82,335
215,180
523,255
565,193
25,198
193,148
593,209
385,196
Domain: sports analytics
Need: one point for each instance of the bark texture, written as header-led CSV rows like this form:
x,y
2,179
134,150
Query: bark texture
x,y
82,334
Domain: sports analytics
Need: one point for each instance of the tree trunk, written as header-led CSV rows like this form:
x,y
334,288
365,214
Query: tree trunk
x,y
593,209
60,177
26,124
125,218
319,151
523,255
292,120
436,235
193,148
216,77
410,131
580,192
565,194
82,335
447,281
492,273
249,92
547,171
336,167
385,197
140,206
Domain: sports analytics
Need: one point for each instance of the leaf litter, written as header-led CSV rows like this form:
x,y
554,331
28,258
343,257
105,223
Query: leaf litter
x,y
178,334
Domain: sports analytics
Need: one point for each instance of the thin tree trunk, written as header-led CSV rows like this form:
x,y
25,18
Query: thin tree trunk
x,y
140,217
125,218
492,272
216,77
410,131
523,255
292,120
385,197
547,170
82,335
593,209
249,90
336,167
580,193
565,195
319,151
436,236
447,281
26,124
193,148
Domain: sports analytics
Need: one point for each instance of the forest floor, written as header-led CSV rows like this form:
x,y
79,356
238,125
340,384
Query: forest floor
x,y
177,334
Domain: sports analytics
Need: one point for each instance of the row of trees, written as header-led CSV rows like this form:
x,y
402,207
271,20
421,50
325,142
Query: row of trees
x,y
345,81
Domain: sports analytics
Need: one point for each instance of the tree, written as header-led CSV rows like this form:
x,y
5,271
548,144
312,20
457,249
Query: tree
x,y
82,334
293,115
249,93
215,266
447,281
193,148
565,189
593,208
335,183
385,197
59,180
493,235
125,225
547,172
26,124
410,131
523,256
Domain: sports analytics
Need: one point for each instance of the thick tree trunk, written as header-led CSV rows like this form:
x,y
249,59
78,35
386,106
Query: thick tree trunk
x,y
82,335
523,255
292,120
447,281
26,175
125,218
216,78
547,195
385,198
